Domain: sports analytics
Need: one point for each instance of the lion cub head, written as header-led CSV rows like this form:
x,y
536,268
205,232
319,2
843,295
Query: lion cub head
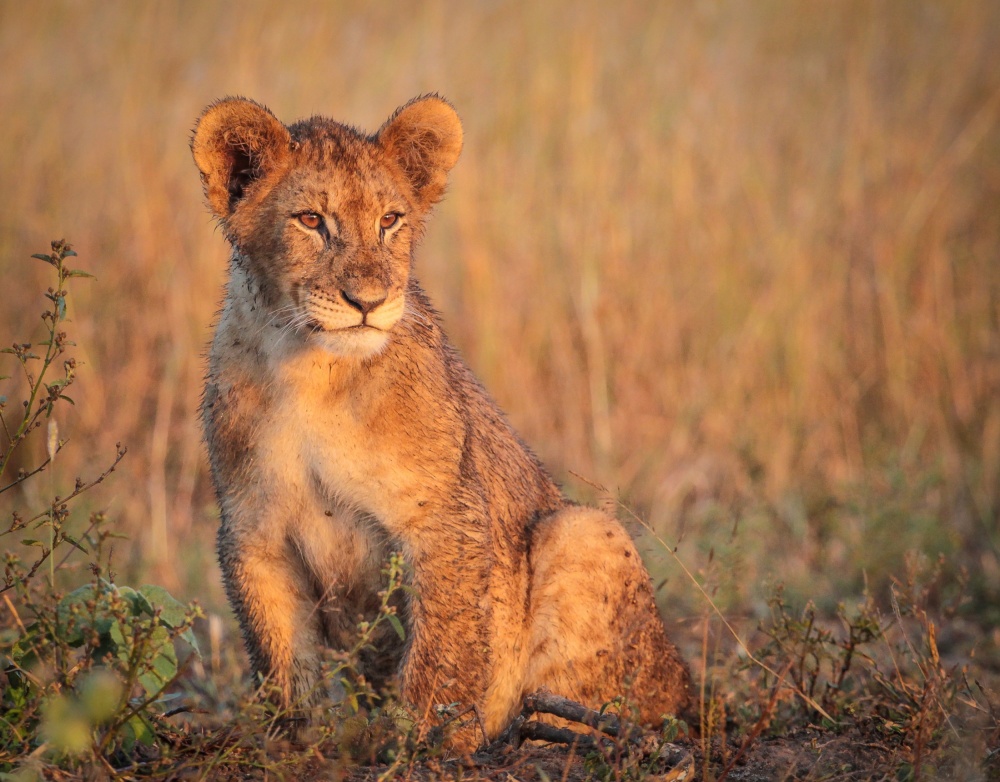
x,y
323,218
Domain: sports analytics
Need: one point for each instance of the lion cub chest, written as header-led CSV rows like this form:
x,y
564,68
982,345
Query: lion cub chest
x,y
353,439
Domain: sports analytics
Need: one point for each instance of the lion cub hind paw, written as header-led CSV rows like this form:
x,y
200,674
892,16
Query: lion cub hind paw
x,y
599,725
604,733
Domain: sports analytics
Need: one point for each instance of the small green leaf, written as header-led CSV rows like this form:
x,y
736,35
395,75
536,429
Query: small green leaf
x,y
164,665
74,542
403,720
136,600
122,645
26,661
189,637
31,542
41,257
63,396
397,626
74,616
170,697
69,252
136,730
173,612
78,596
79,273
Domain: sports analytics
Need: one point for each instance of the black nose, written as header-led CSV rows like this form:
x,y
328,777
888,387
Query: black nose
x,y
364,306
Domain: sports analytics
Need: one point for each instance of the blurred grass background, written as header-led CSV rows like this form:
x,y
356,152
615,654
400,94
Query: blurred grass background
x,y
736,261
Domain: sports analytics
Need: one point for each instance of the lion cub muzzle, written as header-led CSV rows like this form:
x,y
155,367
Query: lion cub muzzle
x,y
351,322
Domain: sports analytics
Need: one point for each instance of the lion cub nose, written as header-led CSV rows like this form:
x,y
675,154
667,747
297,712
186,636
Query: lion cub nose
x,y
363,304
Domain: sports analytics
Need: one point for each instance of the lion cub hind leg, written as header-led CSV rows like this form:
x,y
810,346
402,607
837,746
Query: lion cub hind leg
x,y
595,632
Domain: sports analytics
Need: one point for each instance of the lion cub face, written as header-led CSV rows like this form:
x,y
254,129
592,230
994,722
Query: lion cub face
x,y
323,219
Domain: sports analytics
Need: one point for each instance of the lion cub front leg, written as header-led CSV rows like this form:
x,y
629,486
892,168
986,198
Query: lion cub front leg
x,y
448,658
277,612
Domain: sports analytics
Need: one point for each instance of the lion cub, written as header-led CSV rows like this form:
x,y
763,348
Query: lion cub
x,y
342,425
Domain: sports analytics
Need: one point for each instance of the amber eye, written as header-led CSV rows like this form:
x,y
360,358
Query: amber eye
x,y
389,219
310,220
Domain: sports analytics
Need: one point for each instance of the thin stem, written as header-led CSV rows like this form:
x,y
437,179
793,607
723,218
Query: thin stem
x,y
52,349
61,536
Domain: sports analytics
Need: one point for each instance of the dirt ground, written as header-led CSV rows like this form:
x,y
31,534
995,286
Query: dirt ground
x,y
802,755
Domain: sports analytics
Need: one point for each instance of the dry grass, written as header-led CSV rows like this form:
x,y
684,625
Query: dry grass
x,y
738,261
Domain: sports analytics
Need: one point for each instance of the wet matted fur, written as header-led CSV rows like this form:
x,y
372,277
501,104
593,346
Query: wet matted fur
x,y
342,425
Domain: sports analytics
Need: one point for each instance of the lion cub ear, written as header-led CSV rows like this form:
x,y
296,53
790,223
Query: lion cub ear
x,y
235,143
424,137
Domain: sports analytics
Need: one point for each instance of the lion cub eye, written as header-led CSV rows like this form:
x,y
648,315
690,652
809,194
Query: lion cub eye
x,y
310,220
389,219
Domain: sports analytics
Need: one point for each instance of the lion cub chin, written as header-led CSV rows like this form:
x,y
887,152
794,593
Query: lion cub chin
x,y
342,425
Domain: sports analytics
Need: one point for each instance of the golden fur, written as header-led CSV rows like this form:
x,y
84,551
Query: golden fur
x,y
341,425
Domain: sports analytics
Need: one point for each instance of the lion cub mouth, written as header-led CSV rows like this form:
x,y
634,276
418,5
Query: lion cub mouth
x,y
351,326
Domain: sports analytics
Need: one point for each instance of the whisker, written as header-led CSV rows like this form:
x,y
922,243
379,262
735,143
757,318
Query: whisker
x,y
274,316
417,316
293,325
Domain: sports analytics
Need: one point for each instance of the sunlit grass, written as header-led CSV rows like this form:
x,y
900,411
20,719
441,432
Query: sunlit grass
x,y
737,262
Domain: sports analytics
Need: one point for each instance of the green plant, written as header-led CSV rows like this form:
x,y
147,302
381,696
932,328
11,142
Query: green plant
x,y
817,659
43,393
368,725
881,679
92,676
86,673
